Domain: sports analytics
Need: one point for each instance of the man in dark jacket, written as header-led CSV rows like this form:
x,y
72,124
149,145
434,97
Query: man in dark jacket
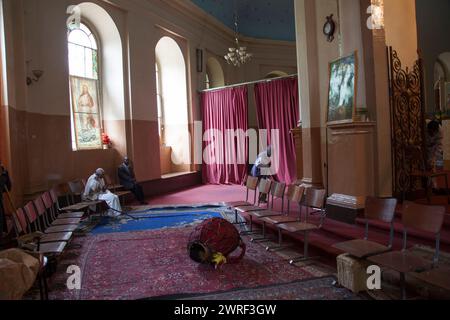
x,y
127,179
5,184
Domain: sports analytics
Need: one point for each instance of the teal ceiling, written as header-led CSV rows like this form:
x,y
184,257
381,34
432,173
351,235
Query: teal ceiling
x,y
264,19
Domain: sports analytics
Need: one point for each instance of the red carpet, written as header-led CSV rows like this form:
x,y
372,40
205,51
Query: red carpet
x,y
155,263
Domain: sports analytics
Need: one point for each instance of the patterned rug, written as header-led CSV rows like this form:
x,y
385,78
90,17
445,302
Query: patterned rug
x,y
139,265
312,289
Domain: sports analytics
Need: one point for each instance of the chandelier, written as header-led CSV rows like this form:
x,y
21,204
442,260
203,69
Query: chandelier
x,y
237,55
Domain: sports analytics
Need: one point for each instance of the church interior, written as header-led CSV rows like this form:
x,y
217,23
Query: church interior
x,y
224,150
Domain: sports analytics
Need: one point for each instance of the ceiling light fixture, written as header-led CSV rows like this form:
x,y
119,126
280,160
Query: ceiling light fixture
x,y
238,55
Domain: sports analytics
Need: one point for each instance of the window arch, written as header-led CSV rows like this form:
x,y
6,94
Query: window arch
x,y
84,73
214,74
172,92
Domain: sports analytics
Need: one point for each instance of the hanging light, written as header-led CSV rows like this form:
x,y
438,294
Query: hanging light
x,y
237,55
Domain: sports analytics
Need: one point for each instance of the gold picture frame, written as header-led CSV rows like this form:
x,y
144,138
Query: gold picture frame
x,y
342,89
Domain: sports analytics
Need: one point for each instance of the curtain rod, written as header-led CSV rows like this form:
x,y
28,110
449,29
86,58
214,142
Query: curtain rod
x,y
249,83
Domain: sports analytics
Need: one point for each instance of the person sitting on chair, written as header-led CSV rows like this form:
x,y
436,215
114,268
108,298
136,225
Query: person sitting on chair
x,y
262,163
127,179
5,185
96,190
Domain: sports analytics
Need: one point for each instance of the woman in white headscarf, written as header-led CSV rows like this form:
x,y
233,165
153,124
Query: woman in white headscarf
x,y
96,190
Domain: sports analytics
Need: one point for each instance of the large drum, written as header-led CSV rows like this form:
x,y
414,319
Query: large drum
x,y
212,237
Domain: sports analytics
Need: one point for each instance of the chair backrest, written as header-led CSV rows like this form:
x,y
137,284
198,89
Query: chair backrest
x,y
425,218
277,189
20,222
61,191
76,187
48,201
295,194
252,183
380,209
40,207
264,186
315,198
30,212
277,192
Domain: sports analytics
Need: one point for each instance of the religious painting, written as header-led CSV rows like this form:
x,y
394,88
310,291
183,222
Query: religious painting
x,y
86,116
342,89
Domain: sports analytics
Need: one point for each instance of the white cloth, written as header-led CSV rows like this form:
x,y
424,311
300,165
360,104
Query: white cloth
x,y
96,190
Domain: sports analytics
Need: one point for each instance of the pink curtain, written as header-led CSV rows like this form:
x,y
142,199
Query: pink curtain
x,y
277,106
225,123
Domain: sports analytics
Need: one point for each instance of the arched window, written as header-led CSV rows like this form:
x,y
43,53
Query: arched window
x,y
159,98
172,101
84,72
214,74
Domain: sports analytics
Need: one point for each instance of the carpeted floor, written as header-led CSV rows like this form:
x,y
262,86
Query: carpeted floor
x,y
311,289
139,265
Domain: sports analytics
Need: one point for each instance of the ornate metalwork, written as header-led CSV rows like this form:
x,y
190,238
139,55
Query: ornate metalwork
x,y
408,122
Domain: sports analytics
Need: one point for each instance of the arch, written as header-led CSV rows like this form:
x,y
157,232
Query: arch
x,y
105,38
173,89
113,95
214,73
275,74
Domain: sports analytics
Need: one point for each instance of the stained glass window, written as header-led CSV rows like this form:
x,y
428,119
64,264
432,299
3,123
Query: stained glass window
x,y
84,88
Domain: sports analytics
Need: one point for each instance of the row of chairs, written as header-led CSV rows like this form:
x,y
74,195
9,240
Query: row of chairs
x,y
44,230
312,200
417,217
428,219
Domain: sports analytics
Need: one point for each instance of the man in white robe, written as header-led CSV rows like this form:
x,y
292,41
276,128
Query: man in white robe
x,y
96,190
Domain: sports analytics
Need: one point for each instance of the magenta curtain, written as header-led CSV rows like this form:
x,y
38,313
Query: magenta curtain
x,y
277,106
225,123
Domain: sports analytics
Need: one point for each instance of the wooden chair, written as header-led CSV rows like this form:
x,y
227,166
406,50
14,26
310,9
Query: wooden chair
x,y
111,185
294,194
36,223
264,188
37,241
51,202
438,277
413,153
76,188
251,185
376,210
44,214
315,200
419,217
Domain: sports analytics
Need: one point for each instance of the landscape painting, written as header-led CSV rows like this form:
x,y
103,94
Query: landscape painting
x,y
342,89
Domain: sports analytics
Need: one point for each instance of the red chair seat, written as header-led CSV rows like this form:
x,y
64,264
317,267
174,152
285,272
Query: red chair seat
x,y
361,248
298,227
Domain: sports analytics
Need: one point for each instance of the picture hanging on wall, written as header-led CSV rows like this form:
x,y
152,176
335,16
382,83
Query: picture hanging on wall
x,y
86,115
342,89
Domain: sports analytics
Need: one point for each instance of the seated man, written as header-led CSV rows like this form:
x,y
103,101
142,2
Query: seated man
x,y
96,190
127,179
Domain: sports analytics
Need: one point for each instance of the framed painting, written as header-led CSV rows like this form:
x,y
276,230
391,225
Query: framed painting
x,y
342,89
86,115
